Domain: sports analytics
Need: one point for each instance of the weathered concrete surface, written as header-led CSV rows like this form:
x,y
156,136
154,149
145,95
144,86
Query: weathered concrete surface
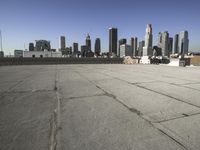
x,y
140,107
25,120
100,122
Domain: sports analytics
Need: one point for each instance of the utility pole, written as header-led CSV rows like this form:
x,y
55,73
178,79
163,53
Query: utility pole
x,y
1,41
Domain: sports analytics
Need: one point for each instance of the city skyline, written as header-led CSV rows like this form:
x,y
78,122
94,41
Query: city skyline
x,y
43,21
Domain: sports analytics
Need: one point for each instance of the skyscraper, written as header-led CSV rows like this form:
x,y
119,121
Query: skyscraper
x,y
176,48
62,45
163,43
125,50
75,48
170,45
97,47
134,42
147,49
121,42
148,36
113,38
140,48
88,42
31,46
183,43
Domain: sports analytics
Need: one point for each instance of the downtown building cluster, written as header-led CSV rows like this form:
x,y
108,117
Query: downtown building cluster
x,y
118,47
85,50
165,45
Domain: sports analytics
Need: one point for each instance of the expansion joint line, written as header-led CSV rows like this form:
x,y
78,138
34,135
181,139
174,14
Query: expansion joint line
x,y
55,124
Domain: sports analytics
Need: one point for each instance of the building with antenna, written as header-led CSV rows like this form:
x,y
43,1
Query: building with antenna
x,y
1,52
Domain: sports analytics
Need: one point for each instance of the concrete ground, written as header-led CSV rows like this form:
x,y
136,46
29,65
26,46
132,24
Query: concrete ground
x,y
99,107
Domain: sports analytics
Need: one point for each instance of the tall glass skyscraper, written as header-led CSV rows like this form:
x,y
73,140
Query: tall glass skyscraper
x,y
176,39
62,45
75,48
97,47
121,42
163,42
88,42
183,43
113,38
147,49
134,45
148,36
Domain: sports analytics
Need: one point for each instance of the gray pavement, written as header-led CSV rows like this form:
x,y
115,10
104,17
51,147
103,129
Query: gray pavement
x,y
99,107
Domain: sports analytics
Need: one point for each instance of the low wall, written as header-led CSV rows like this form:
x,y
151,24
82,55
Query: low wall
x,y
48,61
195,61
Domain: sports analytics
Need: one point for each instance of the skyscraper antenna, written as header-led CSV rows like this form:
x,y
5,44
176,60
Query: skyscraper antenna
x,y
1,41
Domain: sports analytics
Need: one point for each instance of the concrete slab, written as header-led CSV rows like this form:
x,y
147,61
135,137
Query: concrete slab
x,y
195,86
25,120
41,80
155,107
100,107
73,85
186,130
178,92
101,123
95,76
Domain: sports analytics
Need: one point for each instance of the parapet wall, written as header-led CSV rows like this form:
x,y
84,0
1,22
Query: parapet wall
x,y
195,61
49,61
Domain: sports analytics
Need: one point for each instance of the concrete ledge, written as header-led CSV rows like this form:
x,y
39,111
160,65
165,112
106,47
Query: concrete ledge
x,y
48,61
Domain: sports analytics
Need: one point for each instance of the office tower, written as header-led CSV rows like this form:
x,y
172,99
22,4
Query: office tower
x,y
134,42
62,45
183,42
140,48
157,51
84,50
148,36
1,54
170,45
176,39
75,48
31,46
97,47
113,38
147,49
163,43
88,42
42,45
125,50
121,41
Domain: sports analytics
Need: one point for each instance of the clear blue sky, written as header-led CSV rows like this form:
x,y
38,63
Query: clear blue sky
x,y
23,21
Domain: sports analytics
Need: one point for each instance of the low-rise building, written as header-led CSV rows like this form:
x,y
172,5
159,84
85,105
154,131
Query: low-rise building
x,y
18,53
41,54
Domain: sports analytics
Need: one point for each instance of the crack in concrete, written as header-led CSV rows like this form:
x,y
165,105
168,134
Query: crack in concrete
x,y
78,97
55,119
21,81
183,116
52,131
167,95
28,91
